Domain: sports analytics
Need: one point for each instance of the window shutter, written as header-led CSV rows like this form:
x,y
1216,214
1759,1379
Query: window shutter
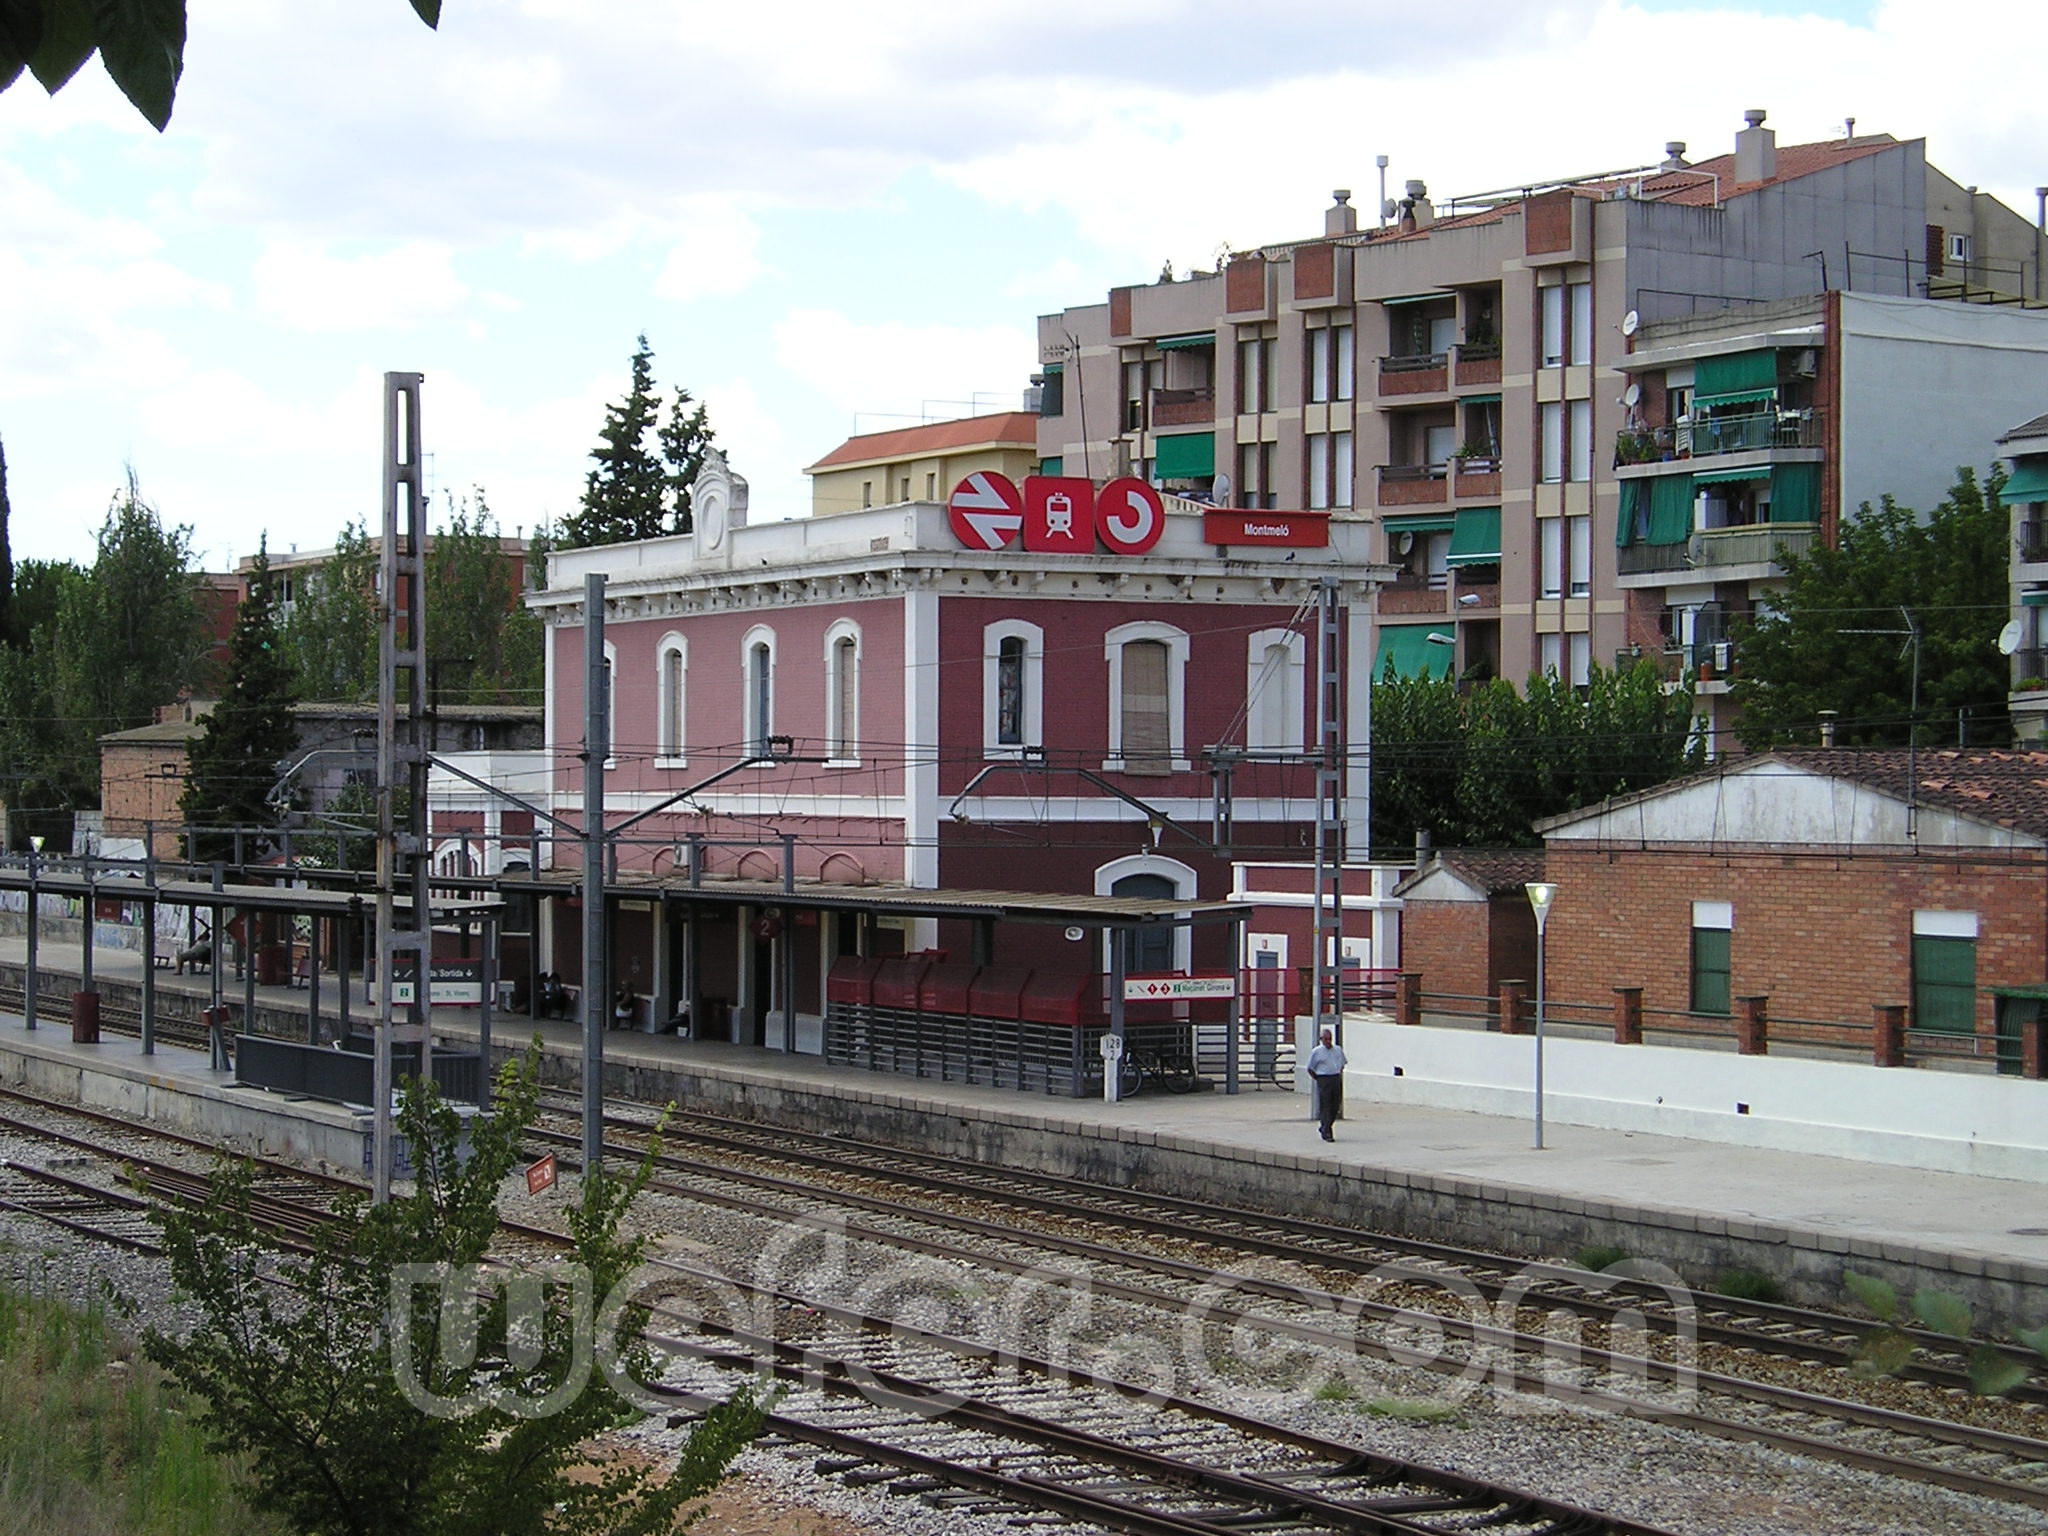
x,y
1147,718
844,744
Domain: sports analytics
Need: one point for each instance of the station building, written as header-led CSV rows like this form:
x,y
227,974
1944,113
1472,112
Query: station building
x,y
922,743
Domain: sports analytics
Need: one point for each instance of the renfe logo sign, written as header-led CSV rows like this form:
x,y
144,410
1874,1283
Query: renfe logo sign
x,y
1056,514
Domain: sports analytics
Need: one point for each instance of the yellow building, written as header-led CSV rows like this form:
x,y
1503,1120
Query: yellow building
x,y
922,463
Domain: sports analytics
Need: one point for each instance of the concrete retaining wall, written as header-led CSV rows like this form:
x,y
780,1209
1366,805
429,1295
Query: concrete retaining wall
x,y
1531,1224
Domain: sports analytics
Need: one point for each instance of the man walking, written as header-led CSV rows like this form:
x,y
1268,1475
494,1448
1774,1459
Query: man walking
x,y
1326,1071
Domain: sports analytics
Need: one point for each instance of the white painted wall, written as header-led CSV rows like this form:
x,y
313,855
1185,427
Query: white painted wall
x,y
1952,1122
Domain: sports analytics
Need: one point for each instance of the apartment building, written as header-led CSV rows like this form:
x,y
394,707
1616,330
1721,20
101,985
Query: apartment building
x,y
2025,640
1462,376
922,463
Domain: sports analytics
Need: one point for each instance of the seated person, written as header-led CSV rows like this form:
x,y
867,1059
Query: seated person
x,y
625,1006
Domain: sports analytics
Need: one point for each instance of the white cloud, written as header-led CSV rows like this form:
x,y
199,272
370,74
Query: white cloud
x,y
717,254
387,289
904,369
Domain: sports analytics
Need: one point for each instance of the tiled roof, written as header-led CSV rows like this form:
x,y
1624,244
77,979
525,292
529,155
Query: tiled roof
x,y
2008,788
1496,871
1001,429
2038,427
1695,187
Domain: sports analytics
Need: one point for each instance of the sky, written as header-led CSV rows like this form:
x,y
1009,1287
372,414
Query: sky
x,y
826,218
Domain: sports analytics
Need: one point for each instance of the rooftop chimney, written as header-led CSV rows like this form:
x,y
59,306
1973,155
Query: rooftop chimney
x,y
1756,149
1674,156
1416,212
1342,219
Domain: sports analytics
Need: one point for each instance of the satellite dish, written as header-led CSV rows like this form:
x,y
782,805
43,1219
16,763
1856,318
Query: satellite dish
x,y
1221,488
1632,395
2009,638
1630,322
1404,543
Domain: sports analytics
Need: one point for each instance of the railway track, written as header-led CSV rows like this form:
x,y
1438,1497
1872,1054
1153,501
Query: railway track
x,y
1512,1346
53,1008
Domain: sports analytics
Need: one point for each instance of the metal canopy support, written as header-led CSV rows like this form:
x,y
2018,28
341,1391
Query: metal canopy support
x,y
401,753
1328,1009
596,748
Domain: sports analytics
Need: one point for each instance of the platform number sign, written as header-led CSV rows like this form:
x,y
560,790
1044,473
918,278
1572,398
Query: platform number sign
x,y
986,511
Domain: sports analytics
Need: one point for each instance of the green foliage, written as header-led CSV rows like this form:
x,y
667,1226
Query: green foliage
x,y
347,835
1883,1353
1477,767
95,1441
1993,1374
1948,570
330,638
638,492
484,644
1411,1410
6,558
2035,1339
1941,1312
249,732
1872,1294
93,651
1597,1259
1748,1285
141,43
300,1378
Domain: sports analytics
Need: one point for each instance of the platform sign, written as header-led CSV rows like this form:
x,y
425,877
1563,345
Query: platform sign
x,y
1175,988
1059,515
1287,530
1129,516
986,511
450,983
541,1175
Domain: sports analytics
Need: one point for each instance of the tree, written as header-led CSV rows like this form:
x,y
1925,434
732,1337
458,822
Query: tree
x,y
330,638
1477,768
6,558
484,644
234,763
141,43
1946,570
638,491
323,1383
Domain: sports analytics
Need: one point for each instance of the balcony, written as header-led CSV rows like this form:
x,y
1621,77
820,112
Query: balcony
x,y
1749,433
2033,542
1422,373
1486,592
1476,474
1183,407
1409,594
1413,485
1760,545
1477,362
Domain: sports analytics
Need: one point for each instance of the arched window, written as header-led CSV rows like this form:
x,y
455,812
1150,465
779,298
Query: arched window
x,y
842,692
1275,697
1155,947
1013,688
1147,698
671,668
757,651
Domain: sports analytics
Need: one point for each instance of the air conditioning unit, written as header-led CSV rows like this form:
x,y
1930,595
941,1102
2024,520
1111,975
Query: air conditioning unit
x,y
1805,365
1724,655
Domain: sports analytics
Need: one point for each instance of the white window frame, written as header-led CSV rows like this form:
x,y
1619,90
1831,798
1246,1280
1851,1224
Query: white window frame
x,y
1578,647
1551,328
992,638
1176,642
760,638
1343,470
1580,303
1550,655
1320,343
1550,437
1579,455
611,712
1290,679
1346,385
840,733
1550,557
1579,556
671,707
1318,471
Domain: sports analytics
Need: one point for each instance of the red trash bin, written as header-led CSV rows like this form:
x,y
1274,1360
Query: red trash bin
x,y
85,1018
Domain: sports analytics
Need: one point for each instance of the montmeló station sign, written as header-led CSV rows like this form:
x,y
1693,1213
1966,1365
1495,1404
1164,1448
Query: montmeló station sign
x,y
1067,515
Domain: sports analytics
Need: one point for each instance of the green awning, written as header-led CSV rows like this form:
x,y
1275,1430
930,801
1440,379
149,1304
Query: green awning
x,y
2034,599
2027,482
1056,465
1180,343
1729,476
1052,368
1409,652
1795,493
1739,397
1190,456
1670,510
1634,519
1735,377
1434,522
1475,537
1479,399
1413,298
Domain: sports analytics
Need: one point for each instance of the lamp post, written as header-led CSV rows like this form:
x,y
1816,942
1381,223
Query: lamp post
x,y
1541,894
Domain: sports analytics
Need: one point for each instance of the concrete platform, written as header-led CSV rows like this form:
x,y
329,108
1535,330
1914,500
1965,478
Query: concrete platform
x,y
1700,1207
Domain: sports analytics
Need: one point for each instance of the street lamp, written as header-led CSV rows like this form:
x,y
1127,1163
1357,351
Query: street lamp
x,y
1541,894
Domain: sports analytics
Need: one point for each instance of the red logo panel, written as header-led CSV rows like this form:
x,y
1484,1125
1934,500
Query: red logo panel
x,y
986,511
1129,516
1059,515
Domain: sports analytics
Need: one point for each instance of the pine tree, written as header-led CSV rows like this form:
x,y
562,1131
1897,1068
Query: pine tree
x,y
250,731
637,491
